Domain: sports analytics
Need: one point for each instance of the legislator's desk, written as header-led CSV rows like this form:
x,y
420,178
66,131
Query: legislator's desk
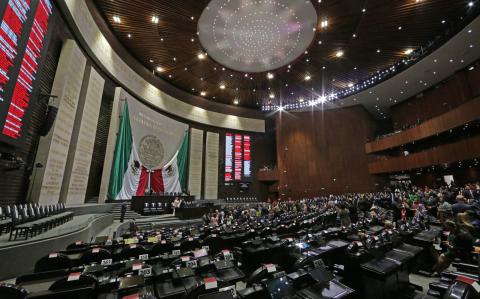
x,y
194,212
138,202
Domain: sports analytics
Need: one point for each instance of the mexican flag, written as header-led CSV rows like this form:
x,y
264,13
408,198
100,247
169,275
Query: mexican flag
x,y
129,177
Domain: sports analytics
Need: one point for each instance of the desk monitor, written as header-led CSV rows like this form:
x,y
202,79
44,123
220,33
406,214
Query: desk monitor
x,y
131,282
279,287
321,275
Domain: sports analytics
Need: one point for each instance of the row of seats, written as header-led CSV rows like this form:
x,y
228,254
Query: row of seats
x,y
297,255
251,199
188,262
28,220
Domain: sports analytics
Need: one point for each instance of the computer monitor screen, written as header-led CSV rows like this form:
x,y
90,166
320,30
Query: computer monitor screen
x,y
131,282
321,275
279,287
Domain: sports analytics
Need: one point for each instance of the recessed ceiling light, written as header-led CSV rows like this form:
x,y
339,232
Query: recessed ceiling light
x,y
222,86
201,56
272,96
339,54
322,99
400,27
307,77
443,21
301,100
236,101
160,69
151,60
408,51
378,50
324,23
470,4
116,19
364,10
354,35
129,35
471,68
270,76
203,93
350,84
192,18
155,19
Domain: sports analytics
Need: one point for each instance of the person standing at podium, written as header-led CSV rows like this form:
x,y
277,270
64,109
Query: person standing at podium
x,y
175,205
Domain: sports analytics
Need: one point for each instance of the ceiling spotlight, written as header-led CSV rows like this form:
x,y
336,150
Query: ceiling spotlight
x,y
301,100
408,51
322,99
339,54
470,4
201,56
471,68
270,76
324,23
129,35
203,93
378,50
280,108
307,77
272,96
236,101
116,19
222,86
400,27
160,69
364,10
155,19
350,84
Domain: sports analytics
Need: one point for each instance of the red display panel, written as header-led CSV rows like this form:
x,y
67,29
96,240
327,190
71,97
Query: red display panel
x,y
11,29
247,159
23,32
228,157
238,157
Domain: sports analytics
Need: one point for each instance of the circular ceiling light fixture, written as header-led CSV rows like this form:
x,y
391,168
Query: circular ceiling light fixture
x,y
256,36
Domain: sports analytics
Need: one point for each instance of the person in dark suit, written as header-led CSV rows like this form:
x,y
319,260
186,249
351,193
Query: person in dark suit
x,y
461,205
469,193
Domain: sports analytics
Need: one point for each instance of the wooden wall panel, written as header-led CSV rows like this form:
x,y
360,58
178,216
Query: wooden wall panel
x,y
462,150
465,113
323,152
433,102
473,77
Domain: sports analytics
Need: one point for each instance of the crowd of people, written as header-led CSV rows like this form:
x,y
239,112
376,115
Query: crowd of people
x,y
457,209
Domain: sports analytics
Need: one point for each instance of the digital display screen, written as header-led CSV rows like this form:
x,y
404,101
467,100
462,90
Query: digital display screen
x,y
238,158
23,31
247,160
228,157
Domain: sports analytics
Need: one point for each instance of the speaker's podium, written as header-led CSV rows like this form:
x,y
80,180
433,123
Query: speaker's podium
x,y
156,204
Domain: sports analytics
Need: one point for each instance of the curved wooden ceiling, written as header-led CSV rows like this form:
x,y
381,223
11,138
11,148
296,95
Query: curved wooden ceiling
x,y
372,34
